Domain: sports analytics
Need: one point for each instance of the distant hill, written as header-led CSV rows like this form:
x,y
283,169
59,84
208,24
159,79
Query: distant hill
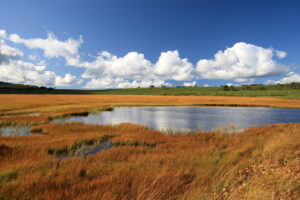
x,y
10,88
5,83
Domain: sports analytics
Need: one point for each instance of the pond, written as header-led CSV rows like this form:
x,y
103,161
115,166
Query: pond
x,y
187,117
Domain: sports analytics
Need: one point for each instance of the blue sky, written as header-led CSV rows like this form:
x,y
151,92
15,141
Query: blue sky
x,y
170,42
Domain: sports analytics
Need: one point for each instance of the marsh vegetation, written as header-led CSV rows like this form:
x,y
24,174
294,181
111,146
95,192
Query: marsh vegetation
x,y
260,163
127,161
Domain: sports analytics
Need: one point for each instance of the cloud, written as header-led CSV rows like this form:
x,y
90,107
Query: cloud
x,y
143,84
8,53
241,62
171,66
18,71
109,82
104,83
135,67
13,69
52,47
190,84
270,82
28,73
2,34
280,54
32,57
290,78
67,80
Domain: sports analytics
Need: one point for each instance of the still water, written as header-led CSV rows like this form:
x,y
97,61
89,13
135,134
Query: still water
x,y
184,117
14,130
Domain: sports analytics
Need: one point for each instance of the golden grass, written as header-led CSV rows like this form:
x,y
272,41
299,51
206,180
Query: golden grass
x,y
260,163
34,103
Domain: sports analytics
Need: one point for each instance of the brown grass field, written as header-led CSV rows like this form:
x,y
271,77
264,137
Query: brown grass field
x,y
142,164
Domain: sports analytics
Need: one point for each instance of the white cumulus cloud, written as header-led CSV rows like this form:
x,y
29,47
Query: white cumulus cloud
x,y
143,84
2,34
242,61
109,82
280,54
137,68
67,80
8,53
270,82
133,65
171,66
53,47
290,78
190,84
14,70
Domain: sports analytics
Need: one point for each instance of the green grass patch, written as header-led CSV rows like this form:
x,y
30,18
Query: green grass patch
x,y
289,91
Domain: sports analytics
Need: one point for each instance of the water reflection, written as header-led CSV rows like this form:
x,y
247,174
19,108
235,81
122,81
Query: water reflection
x,y
14,130
88,150
183,117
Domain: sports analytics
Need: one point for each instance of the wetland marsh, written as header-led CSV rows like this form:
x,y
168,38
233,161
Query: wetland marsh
x,y
129,161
